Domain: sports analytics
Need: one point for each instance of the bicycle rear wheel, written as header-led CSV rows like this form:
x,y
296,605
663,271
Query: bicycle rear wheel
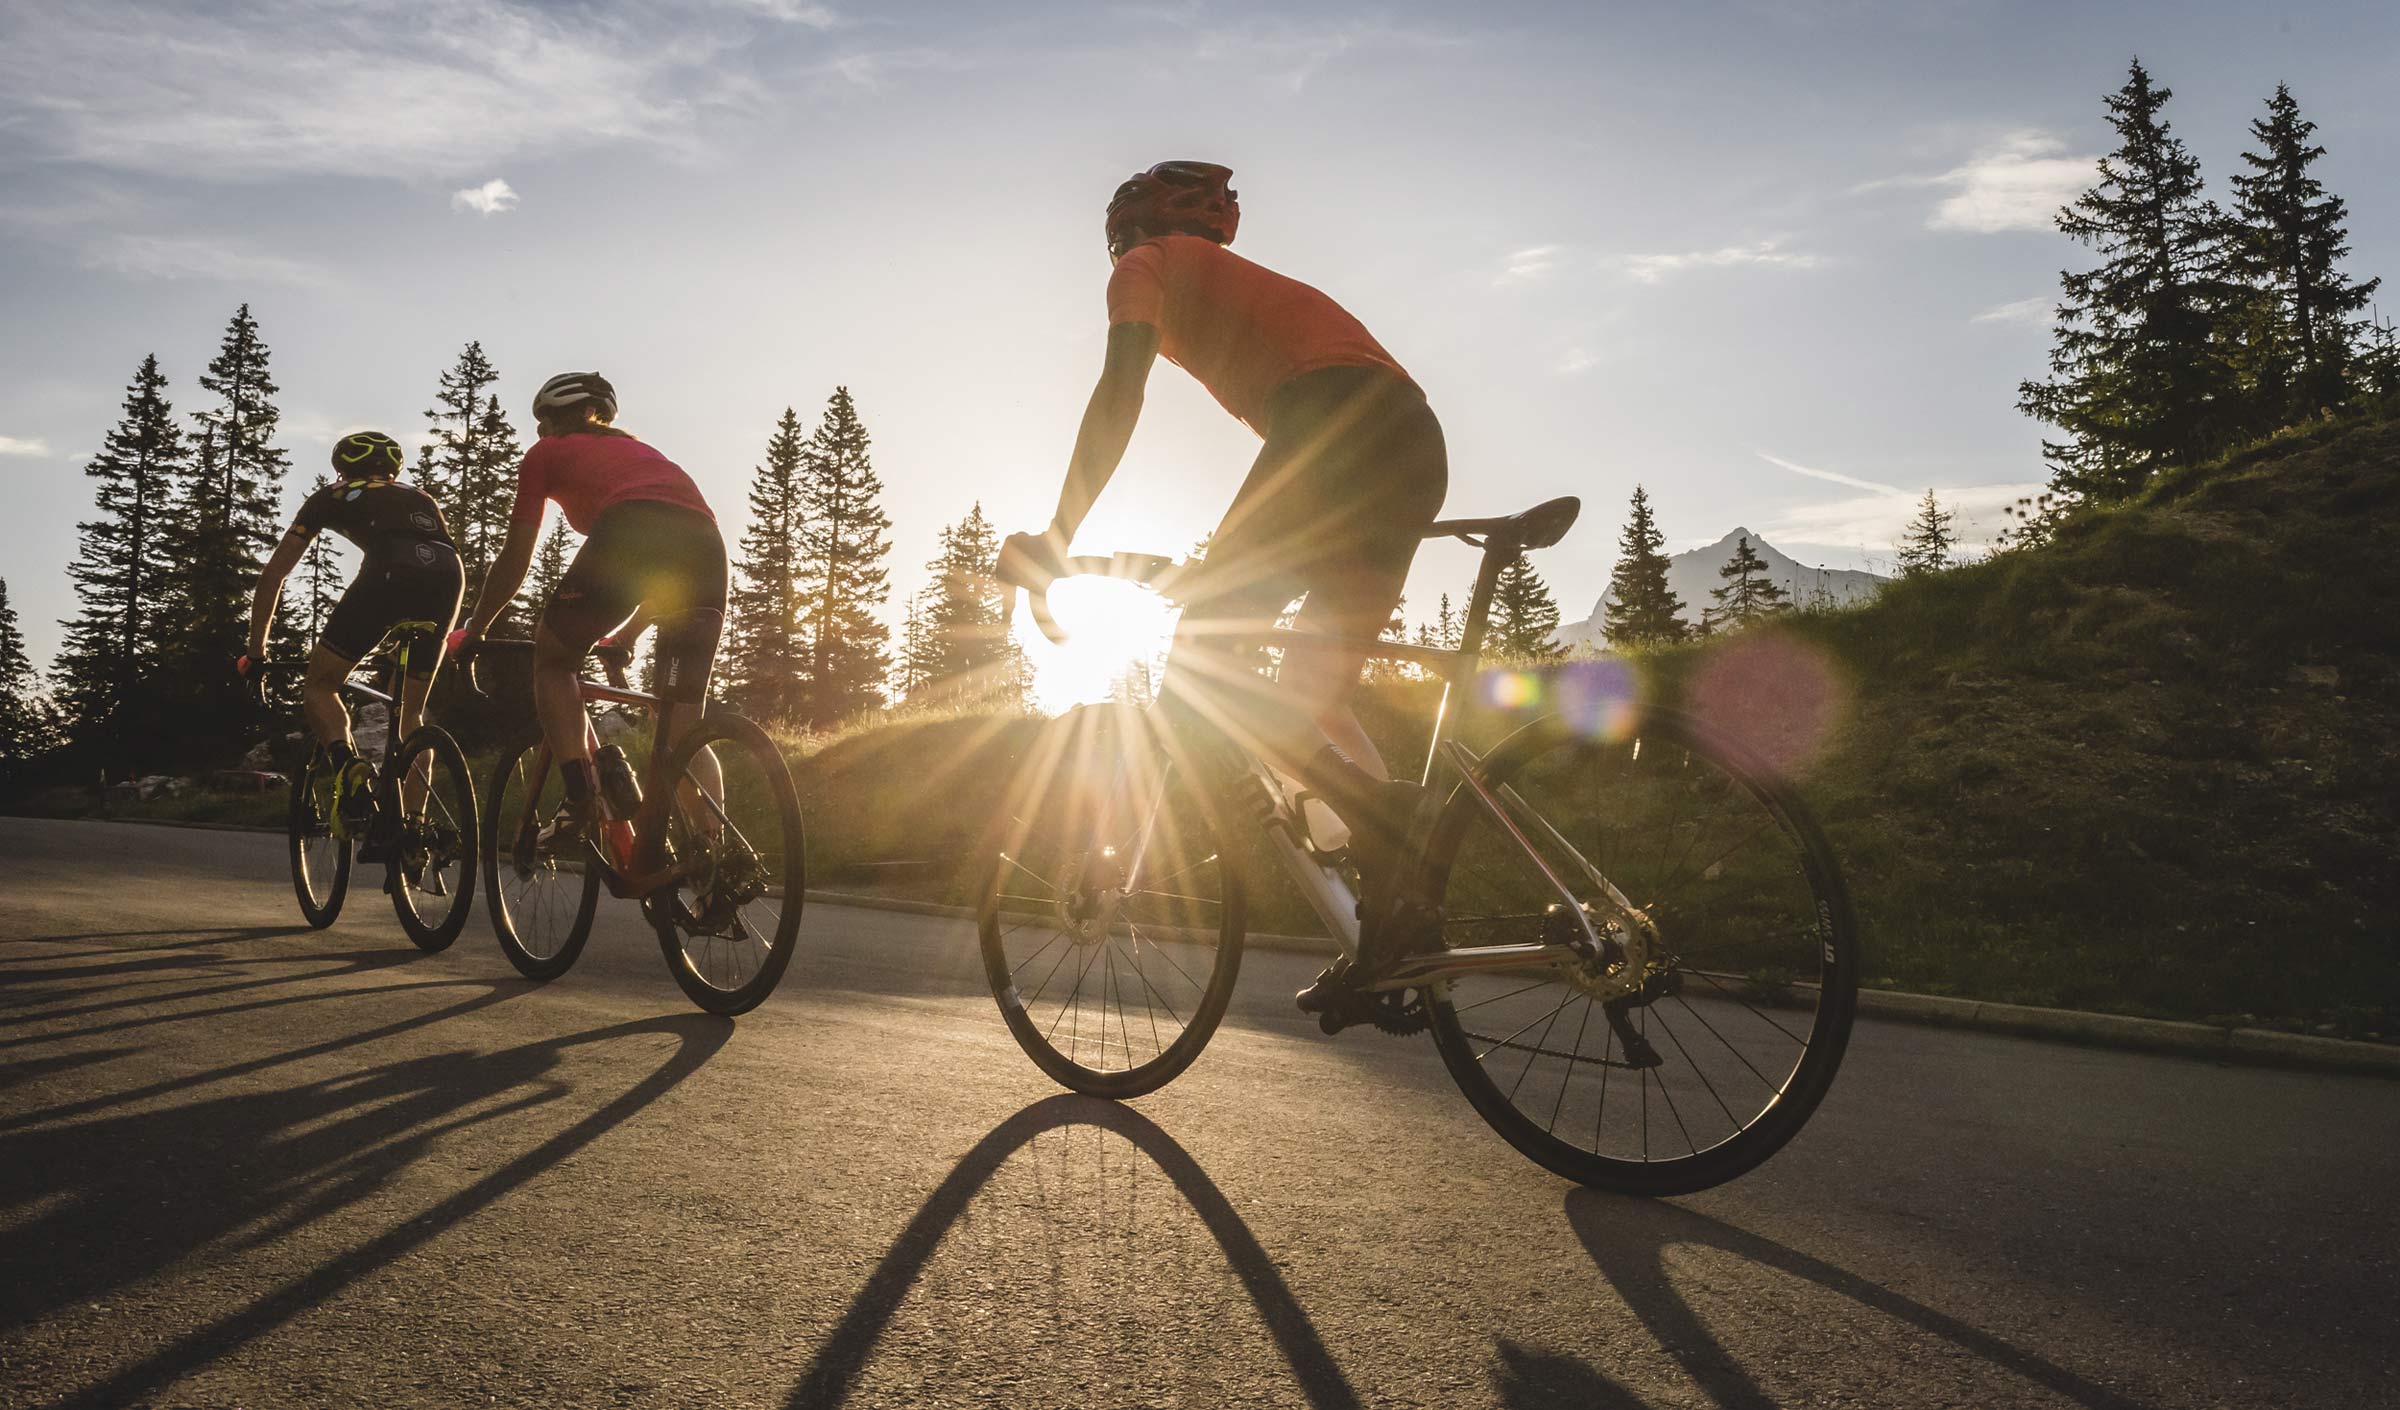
x,y
729,929
1700,1046
542,896
432,859
1110,921
320,859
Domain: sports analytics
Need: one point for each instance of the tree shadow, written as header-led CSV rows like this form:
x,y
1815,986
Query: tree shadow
x,y
110,1202
495,991
1628,1240
834,1373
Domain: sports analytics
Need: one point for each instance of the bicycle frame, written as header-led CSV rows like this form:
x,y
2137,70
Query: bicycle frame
x,y
1331,898
650,820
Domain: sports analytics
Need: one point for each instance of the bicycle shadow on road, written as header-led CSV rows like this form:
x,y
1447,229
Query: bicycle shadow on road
x,y
839,1363
1628,1239
105,1204
24,1004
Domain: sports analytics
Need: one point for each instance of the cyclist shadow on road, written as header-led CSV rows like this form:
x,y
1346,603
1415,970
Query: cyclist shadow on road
x,y
104,1204
841,1362
24,986
1629,1241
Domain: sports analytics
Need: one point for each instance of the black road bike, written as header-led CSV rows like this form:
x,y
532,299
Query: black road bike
x,y
1635,953
417,815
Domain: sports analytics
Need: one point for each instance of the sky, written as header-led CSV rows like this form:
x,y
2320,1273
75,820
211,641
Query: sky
x,y
1781,263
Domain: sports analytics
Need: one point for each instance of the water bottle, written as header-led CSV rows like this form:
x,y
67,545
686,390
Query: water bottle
x,y
617,783
621,792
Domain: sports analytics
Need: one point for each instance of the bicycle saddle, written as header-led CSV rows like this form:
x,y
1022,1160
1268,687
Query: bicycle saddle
x,y
1539,527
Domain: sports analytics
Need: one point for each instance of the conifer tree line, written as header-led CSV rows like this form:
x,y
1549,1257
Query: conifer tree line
x,y
2201,326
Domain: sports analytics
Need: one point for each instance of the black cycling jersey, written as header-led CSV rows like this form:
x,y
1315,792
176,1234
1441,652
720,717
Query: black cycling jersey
x,y
384,518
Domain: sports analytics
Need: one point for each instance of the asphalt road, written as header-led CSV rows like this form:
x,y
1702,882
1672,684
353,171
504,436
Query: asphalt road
x,y
247,1164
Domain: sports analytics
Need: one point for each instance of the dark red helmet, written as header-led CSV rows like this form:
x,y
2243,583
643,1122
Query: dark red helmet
x,y
1185,198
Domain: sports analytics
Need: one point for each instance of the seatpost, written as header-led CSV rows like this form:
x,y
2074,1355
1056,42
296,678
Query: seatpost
x,y
1479,607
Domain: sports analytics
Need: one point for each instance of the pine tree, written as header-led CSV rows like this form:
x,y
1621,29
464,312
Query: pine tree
x,y
967,647
24,715
227,518
1444,631
842,574
1748,595
765,663
549,566
2289,238
1524,618
2139,378
460,467
121,573
2378,358
320,580
1641,609
1930,541
920,649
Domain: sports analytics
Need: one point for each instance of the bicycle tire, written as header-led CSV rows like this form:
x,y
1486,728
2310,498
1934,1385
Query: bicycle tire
x,y
306,824
781,866
1003,915
504,806
449,831
1834,932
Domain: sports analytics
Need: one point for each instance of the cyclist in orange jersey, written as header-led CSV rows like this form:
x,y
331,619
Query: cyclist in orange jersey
x,y
1351,472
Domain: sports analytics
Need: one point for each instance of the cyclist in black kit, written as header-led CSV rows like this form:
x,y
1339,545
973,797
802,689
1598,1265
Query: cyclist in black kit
x,y
409,574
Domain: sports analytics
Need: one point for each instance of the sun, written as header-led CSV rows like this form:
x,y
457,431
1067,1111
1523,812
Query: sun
x,y
1115,630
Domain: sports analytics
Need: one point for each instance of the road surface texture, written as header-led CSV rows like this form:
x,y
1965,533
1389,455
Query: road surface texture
x,y
247,1164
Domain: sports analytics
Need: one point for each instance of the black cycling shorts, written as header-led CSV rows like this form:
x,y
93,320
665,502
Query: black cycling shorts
x,y
1353,471
645,553
419,582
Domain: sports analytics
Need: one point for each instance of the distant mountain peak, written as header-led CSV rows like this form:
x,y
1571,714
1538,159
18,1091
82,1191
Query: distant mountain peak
x,y
1693,573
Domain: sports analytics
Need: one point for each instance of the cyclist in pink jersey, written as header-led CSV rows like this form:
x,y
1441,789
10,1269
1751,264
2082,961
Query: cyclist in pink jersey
x,y
652,554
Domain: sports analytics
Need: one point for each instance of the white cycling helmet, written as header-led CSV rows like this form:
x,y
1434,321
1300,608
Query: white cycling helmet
x,y
574,389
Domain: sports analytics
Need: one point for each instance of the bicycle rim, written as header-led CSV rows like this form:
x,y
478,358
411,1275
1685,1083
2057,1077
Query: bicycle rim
x,y
320,860
1110,921
1700,1046
432,859
541,897
728,930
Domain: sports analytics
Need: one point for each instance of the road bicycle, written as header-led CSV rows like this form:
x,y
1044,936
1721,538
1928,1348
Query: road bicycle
x,y
710,845
1613,888
417,817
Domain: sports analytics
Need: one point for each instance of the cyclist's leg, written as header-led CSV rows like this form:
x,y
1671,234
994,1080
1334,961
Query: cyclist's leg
x,y
437,597
687,598
600,590
321,696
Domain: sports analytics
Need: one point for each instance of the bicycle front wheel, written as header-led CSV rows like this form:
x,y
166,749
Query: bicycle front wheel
x,y
729,928
1706,1035
320,857
1110,920
542,895
433,845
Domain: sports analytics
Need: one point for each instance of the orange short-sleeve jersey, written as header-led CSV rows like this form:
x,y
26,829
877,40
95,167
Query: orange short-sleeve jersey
x,y
1241,329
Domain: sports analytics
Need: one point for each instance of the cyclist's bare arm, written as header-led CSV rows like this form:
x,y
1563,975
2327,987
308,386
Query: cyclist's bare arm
x,y
270,585
1108,422
506,575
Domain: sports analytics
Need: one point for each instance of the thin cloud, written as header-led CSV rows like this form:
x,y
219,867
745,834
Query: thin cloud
x,y
1653,269
869,70
1873,523
24,445
1292,53
2017,183
1832,476
178,257
491,198
1575,360
1528,266
2038,312
412,89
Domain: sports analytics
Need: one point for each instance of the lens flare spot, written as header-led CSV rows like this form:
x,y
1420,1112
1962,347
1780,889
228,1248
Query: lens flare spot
x,y
1510,690
1598,699
1114,630
1780,697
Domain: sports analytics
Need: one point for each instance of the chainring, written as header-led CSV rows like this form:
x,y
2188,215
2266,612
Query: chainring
x,y
1399,1012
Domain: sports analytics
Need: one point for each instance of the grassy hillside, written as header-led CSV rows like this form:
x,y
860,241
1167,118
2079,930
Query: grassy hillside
x,y
2154,767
